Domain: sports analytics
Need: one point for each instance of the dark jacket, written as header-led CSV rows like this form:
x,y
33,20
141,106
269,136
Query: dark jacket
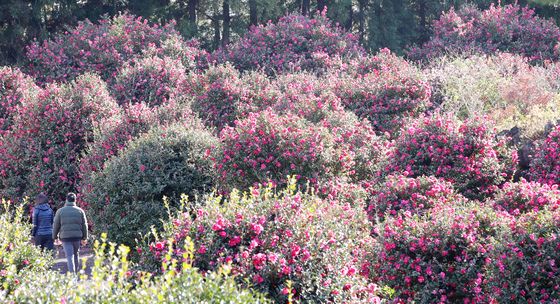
x,y
42,220
70,223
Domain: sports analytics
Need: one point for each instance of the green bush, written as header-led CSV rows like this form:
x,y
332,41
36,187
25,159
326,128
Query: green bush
x,y
17,256
114,281
125,198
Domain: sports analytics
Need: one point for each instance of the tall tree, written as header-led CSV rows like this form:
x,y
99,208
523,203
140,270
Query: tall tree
x,y
253,14
305,5
192,6
226,22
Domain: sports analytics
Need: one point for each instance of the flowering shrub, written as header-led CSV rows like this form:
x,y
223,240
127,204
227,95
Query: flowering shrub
x,y
504,87
268,147
509,28
218,91
15,87
89,47
412,195
545,165
125,198
17,256
294,43
528,268
387,94
149,79
114,280
525,196
467,154
113,133
439,256
50,133
286,243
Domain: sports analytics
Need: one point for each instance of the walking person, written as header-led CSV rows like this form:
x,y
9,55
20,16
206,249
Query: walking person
x,y
42,218
70,225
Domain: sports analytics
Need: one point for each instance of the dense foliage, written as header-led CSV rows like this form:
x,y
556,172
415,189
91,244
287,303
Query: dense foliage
x,y
545,166
294,43
467,154
17,258
309,169
285,243
509,28
126,197
440,256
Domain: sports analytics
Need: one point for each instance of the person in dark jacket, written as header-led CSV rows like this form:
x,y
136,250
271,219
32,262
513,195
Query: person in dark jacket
x,y
70,225
42,218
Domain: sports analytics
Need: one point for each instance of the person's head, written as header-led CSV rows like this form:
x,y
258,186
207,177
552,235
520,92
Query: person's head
x,y
71,197
41,198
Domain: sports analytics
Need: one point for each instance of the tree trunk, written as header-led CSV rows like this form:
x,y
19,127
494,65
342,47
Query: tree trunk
x,y
191,14
305,4
216,25
423,21
226,21
321,4
350,21
253,18
362,6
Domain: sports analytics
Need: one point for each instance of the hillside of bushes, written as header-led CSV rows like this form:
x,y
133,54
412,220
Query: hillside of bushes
x,y
292,165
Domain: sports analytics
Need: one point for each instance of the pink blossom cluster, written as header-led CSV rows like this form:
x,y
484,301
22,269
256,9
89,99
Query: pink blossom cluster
x,y
272,238
545,165
267,146
524,196
509,28
441,256
466,154
15,88
527,267
294,43
49,134
385,89
101,48
149,79
402,194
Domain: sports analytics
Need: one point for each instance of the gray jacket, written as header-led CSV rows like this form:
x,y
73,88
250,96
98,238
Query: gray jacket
x,y
70,223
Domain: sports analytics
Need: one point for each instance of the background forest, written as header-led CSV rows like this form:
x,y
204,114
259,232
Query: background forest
x,y
394,24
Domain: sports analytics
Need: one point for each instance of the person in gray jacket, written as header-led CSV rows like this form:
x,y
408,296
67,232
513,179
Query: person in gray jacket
x,y
43,223
70,224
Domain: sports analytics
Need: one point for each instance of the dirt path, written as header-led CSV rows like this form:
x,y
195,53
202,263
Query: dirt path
x,y
60,260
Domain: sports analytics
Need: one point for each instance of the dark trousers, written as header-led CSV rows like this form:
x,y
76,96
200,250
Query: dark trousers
x,y
44,242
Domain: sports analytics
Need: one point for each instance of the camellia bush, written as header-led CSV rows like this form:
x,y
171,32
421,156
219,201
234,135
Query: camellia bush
x,y
15,88
127,196
149,79
385,89
267,147
101,48
400,194
545,165
527,268
294,43
439,256
524,196
466,154
288,244
49,134
18,257
509,28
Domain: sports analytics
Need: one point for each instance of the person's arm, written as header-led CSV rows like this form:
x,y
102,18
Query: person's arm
x,y
56,225
84,226
34,220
